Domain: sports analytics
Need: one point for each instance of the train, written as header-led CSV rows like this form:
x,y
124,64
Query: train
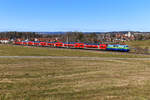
x,y
105,47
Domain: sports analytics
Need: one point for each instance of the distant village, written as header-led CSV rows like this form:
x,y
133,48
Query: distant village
x,y
93,37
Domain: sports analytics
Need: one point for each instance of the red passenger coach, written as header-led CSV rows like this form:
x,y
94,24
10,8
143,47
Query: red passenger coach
x,y
30,43
58,44
91,46
103,46
88,46
25,43
36,43
50,44
79,45
70,45
43,43
18,43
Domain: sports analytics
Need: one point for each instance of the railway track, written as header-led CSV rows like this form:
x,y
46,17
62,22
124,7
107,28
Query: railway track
x,y
89,49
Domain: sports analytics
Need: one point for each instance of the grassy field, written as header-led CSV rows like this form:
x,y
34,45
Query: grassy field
x,y
72,79
68,79
8,50
142,46
142,43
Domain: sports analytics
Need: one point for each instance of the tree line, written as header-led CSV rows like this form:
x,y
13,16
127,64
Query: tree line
x,y
92,37
68,36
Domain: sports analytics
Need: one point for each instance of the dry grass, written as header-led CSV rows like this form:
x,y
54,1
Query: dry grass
x,y
68,79
141,43
140,46
71,79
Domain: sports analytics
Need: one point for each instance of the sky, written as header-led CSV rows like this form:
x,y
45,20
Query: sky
x,y
74,15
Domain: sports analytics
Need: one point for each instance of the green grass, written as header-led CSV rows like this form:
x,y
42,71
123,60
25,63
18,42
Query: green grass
x,y
68,79
8,50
